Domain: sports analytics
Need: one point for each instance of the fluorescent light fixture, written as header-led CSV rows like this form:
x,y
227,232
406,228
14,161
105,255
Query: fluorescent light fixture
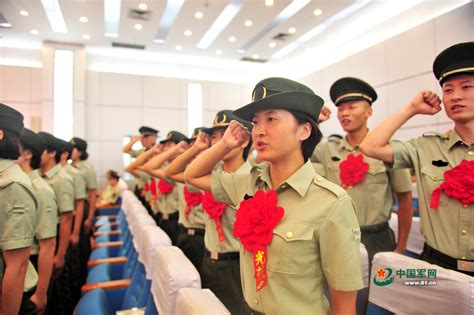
x,y
86,36
83,19
359,4
248,23
292,30
272,44
63,117
268,3
188,33
194,106
138,27
219,52
198,15
294,7
112,9
159,41
169,17
24,13
232,39
318,12
255,56
55,16
179,47
143,6
226,16
34,32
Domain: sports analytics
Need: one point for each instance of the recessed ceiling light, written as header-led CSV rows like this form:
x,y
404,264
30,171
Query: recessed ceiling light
x,y
318,12
86,36
143,6
24,13
188,33
292,30
198,15
272,45
138,27
240,51
159,41
83,19
255,56
248,23
268,3
34,32
218,52
232,39
179,47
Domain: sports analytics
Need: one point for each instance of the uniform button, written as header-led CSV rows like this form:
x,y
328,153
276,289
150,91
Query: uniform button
x,y
463,257
256,301
289,234
463,231
470,153
435,176
319,179
465,206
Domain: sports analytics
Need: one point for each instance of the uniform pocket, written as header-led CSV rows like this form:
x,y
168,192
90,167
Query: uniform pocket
x,y
377,174
289,249
433,177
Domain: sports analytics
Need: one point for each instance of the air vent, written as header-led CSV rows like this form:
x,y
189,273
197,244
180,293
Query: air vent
x,y
143,15
125,45
254,60
282,36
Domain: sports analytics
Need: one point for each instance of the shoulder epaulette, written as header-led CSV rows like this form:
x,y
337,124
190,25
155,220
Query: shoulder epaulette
x,y
433,134
335,189
335,138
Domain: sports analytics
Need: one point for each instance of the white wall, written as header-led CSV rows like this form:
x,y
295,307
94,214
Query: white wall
x,y
398,68
118,104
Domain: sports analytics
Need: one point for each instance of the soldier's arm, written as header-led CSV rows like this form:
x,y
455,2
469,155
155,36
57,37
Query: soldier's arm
x,y
79,213
16,264
65,222
343,302
128,147
133,168
154,166
376,144
45,269
405,217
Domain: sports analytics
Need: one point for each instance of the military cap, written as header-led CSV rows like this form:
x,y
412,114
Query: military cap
x,y
112,174
223,119
281,93
11,119
52,142
79,143
67,146
33,142
457,59
174,136
195,133
351,89
145,130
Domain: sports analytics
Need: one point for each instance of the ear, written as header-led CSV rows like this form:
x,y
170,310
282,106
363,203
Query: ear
x,y
304,131
1,134
28,154
369,111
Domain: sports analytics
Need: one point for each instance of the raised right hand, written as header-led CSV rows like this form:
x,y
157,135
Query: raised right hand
x,y
235,135
426,103
202,142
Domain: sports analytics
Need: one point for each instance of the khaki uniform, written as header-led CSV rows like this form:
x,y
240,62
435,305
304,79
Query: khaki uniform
x,y
63,187
136,153
450,228
47,210
109,195
78,180
196,218
18,208
315,244
374,207
89,174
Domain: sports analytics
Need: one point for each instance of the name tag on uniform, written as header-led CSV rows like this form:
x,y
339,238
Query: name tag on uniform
x,y
466,265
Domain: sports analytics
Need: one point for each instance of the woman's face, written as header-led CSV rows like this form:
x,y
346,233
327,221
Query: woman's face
x,y
277,135
75,154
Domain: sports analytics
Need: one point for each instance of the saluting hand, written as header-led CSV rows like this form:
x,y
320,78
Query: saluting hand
x,y
181,147
235,135
136,138
202,142
157,148
426,103
324,115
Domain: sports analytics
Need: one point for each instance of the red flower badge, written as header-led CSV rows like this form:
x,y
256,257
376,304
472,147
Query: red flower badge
x,y
215,210
255,220
352,170
458,183
192,199
165,187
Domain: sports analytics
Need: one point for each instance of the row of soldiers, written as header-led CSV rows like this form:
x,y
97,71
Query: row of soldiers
x,y
46,210
271,217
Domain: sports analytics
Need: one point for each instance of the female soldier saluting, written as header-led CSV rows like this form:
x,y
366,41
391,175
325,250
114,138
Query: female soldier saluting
x,y
299,231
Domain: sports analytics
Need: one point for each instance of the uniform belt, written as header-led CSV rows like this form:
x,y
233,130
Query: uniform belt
x,y
168,216
223,256
455,264
247,310
193,231
375,228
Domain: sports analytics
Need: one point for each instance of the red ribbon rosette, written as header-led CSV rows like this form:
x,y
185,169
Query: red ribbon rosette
x,y
164,187
458,183
146,187
152,189
192,199
255,220
352,170
215,210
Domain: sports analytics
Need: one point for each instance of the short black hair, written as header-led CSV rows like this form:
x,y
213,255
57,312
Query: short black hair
x,y
83,154
308,145
9,145
245,153
35,161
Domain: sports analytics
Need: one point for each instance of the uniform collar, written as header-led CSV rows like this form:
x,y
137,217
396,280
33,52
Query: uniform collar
x,y
5,164
300,180
53,171
453,138
34,174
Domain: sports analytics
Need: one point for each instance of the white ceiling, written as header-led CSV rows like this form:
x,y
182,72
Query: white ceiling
x,y
336,24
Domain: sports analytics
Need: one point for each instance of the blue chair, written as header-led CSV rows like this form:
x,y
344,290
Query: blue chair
x,y
113,271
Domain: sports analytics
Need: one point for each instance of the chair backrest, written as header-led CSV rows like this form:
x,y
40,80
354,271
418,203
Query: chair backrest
x,y
133,294
151,237
192,301
95,301
171,272
405,285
